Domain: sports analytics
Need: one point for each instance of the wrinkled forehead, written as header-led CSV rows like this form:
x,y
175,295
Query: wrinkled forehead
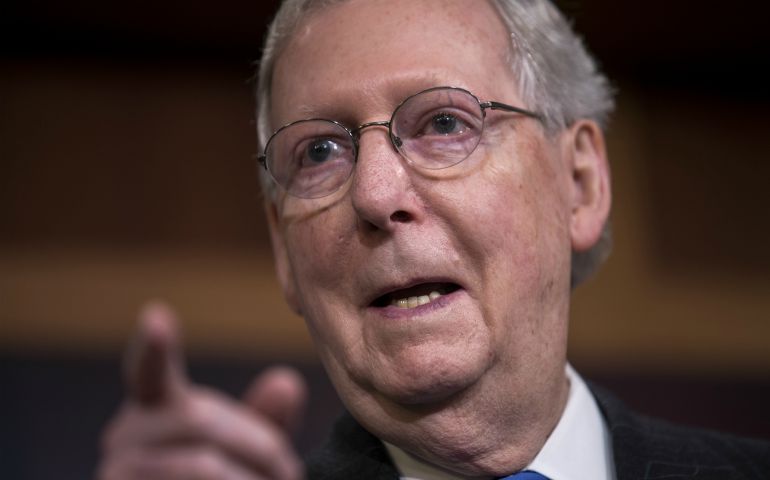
x,y
367,50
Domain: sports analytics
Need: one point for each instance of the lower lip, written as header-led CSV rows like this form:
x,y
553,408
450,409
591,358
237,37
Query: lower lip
x,y
392,311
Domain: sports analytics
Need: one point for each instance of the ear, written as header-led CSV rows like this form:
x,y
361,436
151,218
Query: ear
x,y
281,257
590,193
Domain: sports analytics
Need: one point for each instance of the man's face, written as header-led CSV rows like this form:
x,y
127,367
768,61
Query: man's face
x,y
491,235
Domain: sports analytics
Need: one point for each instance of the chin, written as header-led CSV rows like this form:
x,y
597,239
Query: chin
x,y
420,375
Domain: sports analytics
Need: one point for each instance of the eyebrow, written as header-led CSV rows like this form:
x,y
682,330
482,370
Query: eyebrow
x,y
324,109
313,111
401,88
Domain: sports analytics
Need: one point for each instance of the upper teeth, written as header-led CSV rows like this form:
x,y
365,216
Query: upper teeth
x,y
411,302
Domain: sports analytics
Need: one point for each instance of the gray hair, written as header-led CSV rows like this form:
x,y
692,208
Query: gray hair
x,y
554,70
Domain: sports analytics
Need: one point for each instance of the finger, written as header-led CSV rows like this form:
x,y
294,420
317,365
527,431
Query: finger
x,y
280,394
153,363
179,463
253,439
207,417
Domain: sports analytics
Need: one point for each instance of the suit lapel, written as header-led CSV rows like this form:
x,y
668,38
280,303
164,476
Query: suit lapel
x,y
647,449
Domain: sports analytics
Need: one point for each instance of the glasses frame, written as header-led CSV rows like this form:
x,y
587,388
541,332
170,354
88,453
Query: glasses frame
x,y
355,133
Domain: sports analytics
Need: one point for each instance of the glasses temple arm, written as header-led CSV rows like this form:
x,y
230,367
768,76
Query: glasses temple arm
x,y
510,108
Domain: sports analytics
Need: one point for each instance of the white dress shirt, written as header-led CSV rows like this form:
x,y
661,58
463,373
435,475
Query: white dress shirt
x,y
579,447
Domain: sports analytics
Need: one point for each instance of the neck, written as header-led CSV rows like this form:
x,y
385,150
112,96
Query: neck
x,y
476,435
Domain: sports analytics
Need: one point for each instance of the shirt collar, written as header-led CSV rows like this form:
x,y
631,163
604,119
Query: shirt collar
x,y
578,448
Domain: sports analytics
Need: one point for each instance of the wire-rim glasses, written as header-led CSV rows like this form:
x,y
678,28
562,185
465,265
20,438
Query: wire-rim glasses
x,y
432,129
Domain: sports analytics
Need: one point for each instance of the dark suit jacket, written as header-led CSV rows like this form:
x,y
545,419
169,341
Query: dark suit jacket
x,y
643,449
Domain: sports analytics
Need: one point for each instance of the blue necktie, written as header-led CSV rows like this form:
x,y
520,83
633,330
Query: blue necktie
x,y
525,475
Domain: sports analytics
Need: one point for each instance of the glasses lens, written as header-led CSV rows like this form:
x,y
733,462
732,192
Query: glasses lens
x,y
438,128
311,158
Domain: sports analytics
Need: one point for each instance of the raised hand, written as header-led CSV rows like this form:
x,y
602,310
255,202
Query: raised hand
x,y
170,429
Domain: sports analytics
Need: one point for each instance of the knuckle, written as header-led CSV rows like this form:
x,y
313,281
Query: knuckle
x,y
197,418
209,464
276,448
280,458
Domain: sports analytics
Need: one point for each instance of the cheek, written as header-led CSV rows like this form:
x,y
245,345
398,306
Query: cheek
x,y
518,198
320,251
519,225
535,191
317,244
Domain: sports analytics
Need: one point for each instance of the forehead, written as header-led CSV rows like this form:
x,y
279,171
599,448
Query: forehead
x,y
365,52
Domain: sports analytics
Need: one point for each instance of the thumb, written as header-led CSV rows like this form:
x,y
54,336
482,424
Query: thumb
x,y
154,369
279,393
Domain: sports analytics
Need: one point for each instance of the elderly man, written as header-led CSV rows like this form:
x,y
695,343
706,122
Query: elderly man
x,y
436,183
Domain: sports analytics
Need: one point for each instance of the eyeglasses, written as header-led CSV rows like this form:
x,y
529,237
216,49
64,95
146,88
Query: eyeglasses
x,y
433,129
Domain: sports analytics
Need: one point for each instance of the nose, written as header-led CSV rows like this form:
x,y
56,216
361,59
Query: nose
x,y
382,192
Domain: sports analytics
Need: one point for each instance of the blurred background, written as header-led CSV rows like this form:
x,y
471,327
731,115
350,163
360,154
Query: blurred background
x,y
127,173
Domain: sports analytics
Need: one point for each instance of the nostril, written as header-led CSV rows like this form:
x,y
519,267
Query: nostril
x,y
400,216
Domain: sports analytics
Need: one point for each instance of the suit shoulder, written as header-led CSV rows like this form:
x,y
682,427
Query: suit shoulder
x,y
646,447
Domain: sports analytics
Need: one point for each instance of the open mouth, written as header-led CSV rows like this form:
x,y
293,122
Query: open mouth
x,y
415,296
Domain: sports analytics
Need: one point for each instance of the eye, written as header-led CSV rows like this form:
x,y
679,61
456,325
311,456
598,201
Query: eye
x,y
320,151
320,165
311,158
446,123
441,124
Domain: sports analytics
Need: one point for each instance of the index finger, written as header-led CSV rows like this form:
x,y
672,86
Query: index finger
x,y
154,371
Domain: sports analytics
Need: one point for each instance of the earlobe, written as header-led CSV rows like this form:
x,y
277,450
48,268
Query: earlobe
x,y
281,258
590,184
